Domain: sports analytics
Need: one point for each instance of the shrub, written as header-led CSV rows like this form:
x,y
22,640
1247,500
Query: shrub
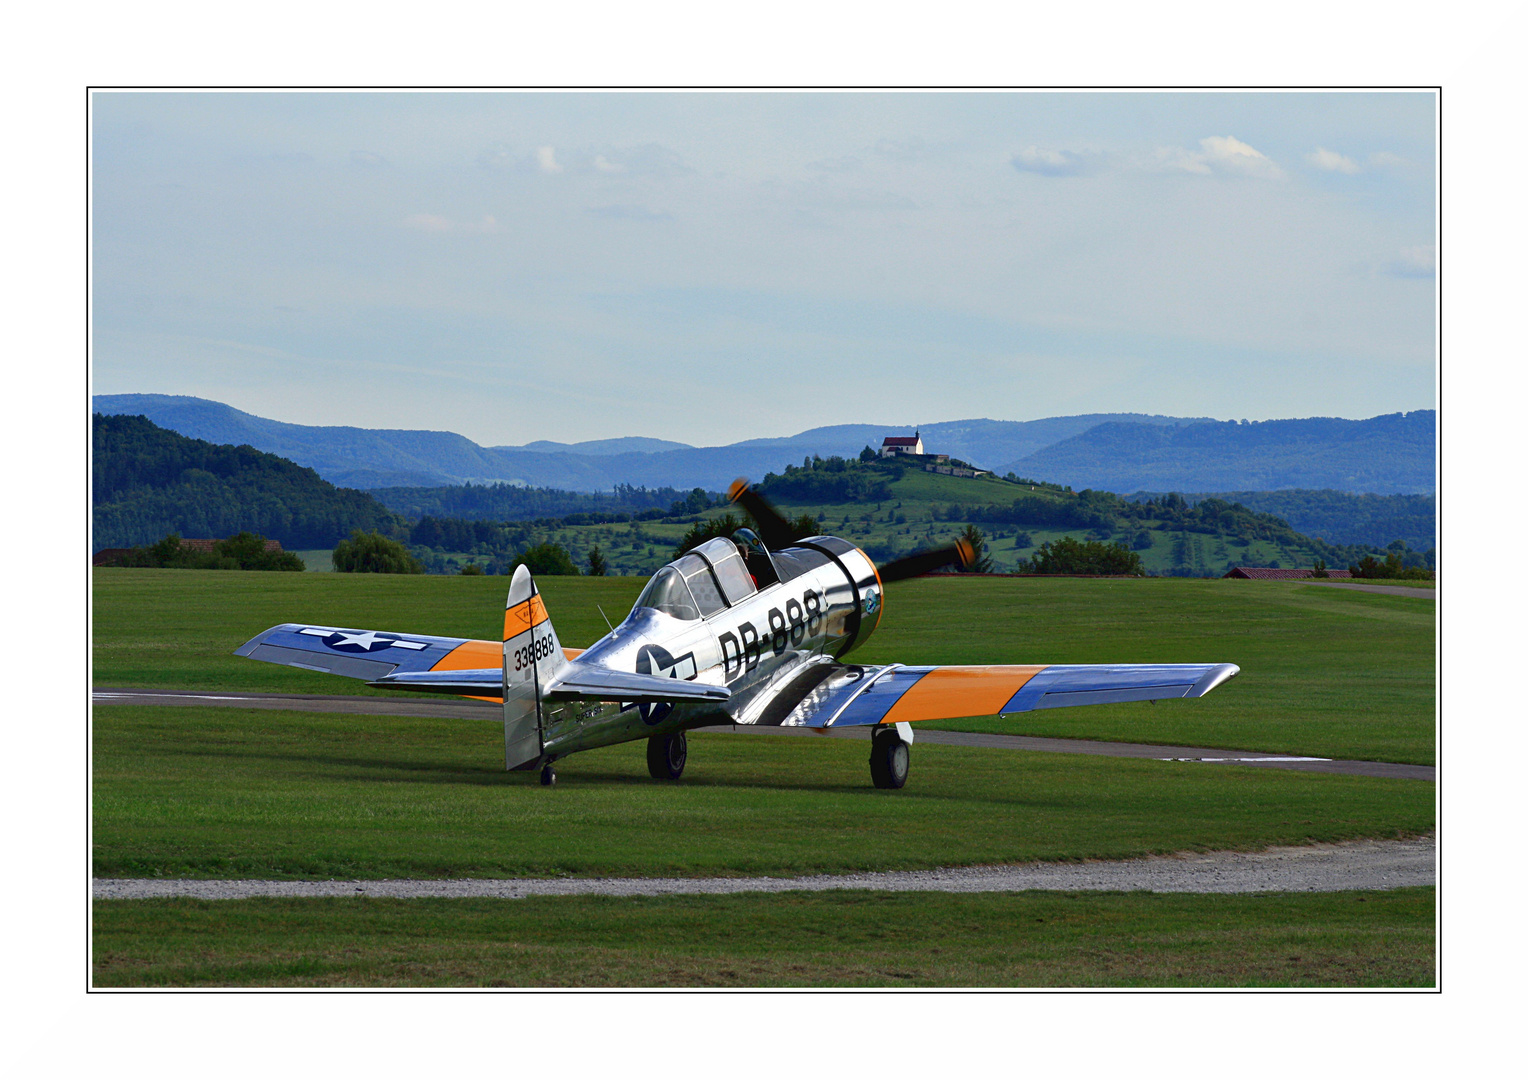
x,y
548,558
1069,556
373,553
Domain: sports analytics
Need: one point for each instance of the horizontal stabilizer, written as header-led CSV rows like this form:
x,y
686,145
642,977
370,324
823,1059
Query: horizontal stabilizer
x,y
591,681
576,682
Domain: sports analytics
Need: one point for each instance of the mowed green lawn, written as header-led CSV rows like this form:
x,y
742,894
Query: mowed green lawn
x,y
785,939
1326,672
214,792
206,792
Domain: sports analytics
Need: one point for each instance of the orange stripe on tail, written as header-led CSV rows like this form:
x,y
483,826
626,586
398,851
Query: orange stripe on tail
x,y
524,616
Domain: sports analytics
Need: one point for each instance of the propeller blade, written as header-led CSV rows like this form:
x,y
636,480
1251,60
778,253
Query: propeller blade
x,y
912,566
774,530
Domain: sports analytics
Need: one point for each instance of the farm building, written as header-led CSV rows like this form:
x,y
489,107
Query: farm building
x,y
1268,573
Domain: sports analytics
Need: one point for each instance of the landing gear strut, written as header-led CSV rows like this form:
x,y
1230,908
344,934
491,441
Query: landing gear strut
x,y
548,775
666,755
888,759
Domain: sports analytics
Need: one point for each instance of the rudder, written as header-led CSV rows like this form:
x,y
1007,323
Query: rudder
x,y
532,657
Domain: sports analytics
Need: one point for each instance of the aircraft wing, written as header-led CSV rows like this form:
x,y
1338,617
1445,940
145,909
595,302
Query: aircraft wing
x,y
851,695
376,654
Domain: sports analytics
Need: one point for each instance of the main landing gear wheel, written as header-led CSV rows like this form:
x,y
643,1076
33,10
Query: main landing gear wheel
x,y
548,775
666,755
889,757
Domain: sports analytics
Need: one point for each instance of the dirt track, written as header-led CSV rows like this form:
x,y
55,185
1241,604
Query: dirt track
x,y
1362,864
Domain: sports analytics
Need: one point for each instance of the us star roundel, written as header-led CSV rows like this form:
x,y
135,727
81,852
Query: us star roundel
x,y
656,660
360,641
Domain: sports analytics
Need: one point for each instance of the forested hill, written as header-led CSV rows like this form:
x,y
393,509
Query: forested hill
x,y
1336,516
150,482
1386,455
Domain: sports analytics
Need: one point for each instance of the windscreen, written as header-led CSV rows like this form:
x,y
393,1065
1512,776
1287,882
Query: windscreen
x,y
667,593
697,575
723,556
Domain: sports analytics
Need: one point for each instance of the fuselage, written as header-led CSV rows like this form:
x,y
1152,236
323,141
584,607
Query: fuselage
x,y
715,619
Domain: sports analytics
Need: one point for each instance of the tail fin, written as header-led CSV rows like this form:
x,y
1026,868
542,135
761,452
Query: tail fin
x,y
532,657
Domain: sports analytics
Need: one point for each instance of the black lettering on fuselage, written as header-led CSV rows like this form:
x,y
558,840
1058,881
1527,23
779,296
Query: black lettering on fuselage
x,y
732,654
798,624
778,635
751,648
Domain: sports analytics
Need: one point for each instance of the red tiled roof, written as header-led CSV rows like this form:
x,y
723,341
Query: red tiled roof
x,y
1268,573
899,440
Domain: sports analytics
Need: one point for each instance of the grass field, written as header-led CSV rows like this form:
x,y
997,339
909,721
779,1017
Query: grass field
x,y
1329,672
790,939
211,792
224,792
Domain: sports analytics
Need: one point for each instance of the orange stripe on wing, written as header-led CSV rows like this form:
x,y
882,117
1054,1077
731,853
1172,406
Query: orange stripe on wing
x,y
472,655
523,616
945,693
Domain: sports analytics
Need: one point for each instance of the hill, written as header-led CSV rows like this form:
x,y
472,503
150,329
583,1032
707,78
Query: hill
x,y
149,482
894,507
1376,520
379,458
1385,455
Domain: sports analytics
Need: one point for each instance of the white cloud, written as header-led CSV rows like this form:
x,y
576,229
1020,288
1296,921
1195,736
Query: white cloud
x,y
1223,154
1332,161
546,158
1384,159
434,223
1415,262
1048,162
603,164
1229,153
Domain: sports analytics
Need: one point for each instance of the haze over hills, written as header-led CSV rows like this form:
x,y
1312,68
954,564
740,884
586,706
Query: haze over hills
x,y
1122,452
1384,455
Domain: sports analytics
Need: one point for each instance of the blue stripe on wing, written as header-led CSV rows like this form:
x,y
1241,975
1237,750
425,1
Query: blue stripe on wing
x,y
1061,685
872,704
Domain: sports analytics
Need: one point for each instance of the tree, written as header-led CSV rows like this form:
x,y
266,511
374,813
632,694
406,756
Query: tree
x,y
597,565
471,569
868,454
551,559
373,553
981,562
1069,556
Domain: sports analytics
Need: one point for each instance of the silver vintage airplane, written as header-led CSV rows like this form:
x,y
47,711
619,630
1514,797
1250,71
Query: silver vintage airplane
x,y
749,630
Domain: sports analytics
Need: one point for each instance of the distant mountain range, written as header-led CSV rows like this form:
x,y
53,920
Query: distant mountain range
x,y
1385,455
1122,452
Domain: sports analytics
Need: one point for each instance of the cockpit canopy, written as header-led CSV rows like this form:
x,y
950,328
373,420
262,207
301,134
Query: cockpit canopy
x,y
700,583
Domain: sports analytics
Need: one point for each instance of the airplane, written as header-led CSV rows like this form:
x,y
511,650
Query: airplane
x,y
751,630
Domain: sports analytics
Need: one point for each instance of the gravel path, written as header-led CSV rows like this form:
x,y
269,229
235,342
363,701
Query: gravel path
x,y
1363,864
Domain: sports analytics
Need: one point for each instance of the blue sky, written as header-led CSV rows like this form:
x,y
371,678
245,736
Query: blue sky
x,y
714,267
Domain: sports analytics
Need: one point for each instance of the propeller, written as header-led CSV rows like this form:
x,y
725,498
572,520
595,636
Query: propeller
x,y
776,532
910,566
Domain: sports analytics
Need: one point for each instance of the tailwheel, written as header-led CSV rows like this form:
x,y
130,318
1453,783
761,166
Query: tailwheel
x,y
548,775
666,755
889,757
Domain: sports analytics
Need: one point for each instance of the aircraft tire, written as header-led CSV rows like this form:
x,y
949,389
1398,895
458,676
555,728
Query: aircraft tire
x,y
889,760
666,755
548,776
